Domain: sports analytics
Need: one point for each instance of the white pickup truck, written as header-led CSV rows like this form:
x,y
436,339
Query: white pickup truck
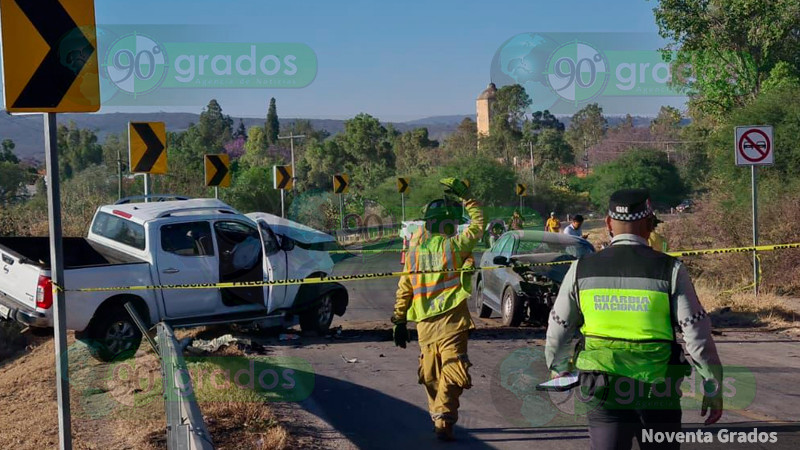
x,y
172,243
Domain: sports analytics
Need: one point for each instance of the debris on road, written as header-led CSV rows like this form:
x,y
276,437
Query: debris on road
x,y
288,337
201,345
349,361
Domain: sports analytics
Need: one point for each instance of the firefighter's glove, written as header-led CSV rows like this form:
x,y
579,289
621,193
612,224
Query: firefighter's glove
x,y
456,187
400,335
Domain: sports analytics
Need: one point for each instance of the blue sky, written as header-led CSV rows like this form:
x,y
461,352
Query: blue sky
x,y
397,60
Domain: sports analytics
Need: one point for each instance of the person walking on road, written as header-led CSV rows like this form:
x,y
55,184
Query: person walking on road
x,y
574,228
629,301
656,241
516,220
552,225
437,302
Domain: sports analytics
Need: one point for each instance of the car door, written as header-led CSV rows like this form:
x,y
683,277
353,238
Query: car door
x,y
186,255
240,260
492,278
275,264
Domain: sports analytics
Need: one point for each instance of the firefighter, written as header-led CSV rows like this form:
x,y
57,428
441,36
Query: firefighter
x,y
437,301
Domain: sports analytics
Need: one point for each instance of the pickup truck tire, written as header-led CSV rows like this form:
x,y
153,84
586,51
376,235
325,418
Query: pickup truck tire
x,y
113,335
318,319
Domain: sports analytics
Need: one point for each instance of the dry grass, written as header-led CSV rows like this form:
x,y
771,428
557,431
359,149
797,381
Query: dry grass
x,y
743,309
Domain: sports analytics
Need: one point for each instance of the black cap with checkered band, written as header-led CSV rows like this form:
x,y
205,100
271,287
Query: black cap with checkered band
x,y
630,205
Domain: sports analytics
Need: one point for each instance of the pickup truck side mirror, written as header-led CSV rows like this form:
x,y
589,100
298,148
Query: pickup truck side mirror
x,y
286,243
501,261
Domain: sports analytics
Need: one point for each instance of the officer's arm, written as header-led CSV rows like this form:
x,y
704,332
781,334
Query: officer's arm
x,y
467,239
695,324
565,317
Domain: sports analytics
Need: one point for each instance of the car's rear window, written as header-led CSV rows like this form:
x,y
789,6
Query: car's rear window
x,y
119,230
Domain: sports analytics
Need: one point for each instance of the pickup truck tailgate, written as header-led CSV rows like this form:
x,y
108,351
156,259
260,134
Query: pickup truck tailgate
x,y
18,280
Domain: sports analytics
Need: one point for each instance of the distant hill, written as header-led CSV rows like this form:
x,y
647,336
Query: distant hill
x,y
27,133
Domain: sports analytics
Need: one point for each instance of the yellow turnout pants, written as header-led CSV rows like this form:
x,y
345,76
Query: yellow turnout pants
x,y
443,370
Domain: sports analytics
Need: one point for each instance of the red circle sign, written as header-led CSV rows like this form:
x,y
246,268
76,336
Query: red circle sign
x,y
754,145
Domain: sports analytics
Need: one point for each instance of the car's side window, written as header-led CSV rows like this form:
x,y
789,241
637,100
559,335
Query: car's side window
x,y
240,245
187,239
504,246
271,245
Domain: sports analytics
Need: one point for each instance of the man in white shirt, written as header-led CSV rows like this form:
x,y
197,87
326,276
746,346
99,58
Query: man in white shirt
x,y
574,228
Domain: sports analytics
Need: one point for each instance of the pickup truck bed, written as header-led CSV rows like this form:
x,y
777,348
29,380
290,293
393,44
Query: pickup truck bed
x,y
78,252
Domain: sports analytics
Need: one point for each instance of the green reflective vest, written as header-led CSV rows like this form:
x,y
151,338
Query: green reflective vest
x,y
435,293
624,296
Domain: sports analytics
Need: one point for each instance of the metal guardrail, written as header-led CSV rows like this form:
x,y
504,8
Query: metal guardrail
x,y
186,429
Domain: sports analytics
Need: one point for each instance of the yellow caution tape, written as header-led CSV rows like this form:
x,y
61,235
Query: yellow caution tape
x,y
380,275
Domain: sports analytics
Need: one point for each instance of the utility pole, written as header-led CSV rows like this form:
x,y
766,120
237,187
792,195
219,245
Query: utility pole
x,y
119,174
585,157
533,169
291,138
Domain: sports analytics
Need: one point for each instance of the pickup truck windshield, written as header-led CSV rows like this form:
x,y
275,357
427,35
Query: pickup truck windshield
x,y
119,230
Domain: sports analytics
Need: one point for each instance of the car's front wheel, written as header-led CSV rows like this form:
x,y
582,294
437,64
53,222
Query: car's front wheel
x,y
511,308
320,317
483,310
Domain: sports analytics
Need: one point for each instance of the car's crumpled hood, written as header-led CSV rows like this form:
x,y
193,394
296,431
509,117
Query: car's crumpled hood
x,y
553,272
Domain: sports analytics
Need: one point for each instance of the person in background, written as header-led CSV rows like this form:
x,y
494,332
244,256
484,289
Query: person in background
x,y
553,225
656,240
516,220
574,228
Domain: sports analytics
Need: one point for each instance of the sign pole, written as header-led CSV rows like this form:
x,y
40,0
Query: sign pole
x,y
283,209
754,180
57,276
403,205
341,211
216,192
119,174
147,188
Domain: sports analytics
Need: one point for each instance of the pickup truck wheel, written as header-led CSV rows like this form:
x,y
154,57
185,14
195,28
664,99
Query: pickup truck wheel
x,y
114,336
320,317
512,308
484,311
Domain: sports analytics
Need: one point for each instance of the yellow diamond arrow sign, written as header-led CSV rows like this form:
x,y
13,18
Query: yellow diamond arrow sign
x,y
402,185
218,170
282,177
521,189
49,56
147,144
340,183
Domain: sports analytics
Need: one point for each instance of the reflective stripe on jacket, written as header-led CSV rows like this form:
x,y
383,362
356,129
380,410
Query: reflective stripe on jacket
x,y
624,297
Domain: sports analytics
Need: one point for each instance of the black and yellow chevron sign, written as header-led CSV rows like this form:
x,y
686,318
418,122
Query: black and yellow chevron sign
x,y
147,145
466,182
402,185
340,183
282,177
218,171
521,190
49,56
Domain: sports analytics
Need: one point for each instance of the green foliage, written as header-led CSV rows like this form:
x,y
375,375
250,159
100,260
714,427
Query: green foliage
x,y
551,151
587,128
7,152
256,149
272,127
638,168
511,103
542,120
732,46
666,126
463,143
252,190
415,152
77,149
369,156
12,182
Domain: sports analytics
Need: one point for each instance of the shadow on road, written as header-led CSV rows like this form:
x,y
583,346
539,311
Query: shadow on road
x,y
372,419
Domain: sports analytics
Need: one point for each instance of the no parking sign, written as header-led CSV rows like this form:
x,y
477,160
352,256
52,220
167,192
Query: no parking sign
x,y
754,146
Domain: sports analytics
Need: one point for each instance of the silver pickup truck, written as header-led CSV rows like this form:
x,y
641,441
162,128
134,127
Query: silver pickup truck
x,y
172,243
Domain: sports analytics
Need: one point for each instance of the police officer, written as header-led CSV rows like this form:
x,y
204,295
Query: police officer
x,y
629,301
437,302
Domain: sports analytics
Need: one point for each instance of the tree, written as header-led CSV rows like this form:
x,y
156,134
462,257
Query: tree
x,y
587,128
320,162
639,168
731,47
462,144
240,132
256,149
252,190
511,103
365,142
272,126
551,151
12,181
541,120
415,152
666,126
77,149
7,152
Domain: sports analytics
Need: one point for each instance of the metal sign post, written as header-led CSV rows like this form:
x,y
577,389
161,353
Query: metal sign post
x,y
216,192
403,205
753,146
148,189
283,203
57,276
291,137
341,211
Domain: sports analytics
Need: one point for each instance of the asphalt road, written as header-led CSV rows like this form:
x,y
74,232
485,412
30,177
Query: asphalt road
x,y
375,402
